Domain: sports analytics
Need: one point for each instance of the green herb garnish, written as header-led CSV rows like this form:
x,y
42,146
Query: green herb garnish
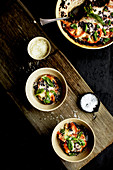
x,y
111,14
86,27
109,22
81,142
74,26
72,154
39,91
98,26
69,145
47,99
90,13
52,91
105,40
48,81
111,29
104,31
97,17
62,131
95,36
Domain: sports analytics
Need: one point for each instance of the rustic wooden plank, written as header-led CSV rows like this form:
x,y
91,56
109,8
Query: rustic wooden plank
x,y
17,27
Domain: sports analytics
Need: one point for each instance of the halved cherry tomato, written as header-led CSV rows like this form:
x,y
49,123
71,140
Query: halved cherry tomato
x,y
73,127
53,97
66,148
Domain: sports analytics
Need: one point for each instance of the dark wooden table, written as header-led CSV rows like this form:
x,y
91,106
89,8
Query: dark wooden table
x,y
17,28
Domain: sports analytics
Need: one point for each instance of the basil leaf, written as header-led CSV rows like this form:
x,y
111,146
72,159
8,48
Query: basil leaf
x,y
46,101
72,154
104,31
81,142
112,14
89,11
95,36
98,26
74,26
105,40
52,91
47,94
97,17
111,29
73,138
62,131
48,81
39,91
70,145
86,27
109,22
79,135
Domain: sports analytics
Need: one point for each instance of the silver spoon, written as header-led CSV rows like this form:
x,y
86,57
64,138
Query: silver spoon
x,y
47,21
72,13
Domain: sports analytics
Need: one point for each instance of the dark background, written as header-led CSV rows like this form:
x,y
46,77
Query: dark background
x,y
21,146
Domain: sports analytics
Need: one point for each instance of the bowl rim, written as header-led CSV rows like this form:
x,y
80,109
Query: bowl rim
x,y
74,120
43,38
26,90
70,39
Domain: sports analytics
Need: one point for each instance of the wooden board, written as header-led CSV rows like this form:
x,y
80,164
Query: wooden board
x,y
17,28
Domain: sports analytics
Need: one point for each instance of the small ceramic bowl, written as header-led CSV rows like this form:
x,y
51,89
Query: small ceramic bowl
x,y
84,154
30,90
39,48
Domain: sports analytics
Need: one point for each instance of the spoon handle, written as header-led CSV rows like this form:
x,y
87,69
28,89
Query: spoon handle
x,y
47,21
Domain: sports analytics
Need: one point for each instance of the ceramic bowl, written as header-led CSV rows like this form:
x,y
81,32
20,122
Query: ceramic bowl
x,y
69,38
35,49
84,154
30,90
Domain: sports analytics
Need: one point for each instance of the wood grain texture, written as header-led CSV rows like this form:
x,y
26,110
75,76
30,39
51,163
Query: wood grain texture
x,y
17,28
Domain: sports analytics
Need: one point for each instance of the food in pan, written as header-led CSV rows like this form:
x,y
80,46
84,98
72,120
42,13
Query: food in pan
x,y
73,138
48,89
95,27
89,102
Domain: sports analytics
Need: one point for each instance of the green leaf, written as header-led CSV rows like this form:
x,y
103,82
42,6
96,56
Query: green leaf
x,y
97,17
89,11
104,31
95,36
74,26
109,22
86,27
47,94
79,135
62,131
112,14
105,40
67,137
39,91
111,29
48,81
70,145
98,26
52,91
73,138
46,101
72,154
81,142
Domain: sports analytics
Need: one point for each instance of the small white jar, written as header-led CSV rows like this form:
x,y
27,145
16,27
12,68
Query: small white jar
x,y
39,48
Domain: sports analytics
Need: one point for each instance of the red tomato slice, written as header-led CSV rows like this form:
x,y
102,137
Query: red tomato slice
x,y
66,148
73,127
